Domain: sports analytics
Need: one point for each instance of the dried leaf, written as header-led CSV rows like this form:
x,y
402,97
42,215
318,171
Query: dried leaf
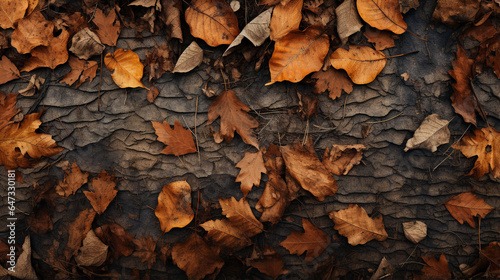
x,y
268,262
382,39
226,236
308,105
119,241
454,12
32,32
333,81
256,31
435,269
213,21
23,268
34,84
361,63
32,4
127,68
109,26
384,268
492,253
382,14
81,71
145,250
102,191
8,71
240,215
159,61
171,16
298,54
431,133
152,93
286,18
86,44
415,231
355,224
49,56
342,158
174,206
40,221
251,166
190,58
234,117
147,4
73,180
77,231
179,141
12,11
348,21
93,252
407,5
465,206
313,240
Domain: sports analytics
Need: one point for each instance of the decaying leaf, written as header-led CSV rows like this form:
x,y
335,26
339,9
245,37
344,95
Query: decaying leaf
x,y
40,221
8,71
213,21
171,16
465,206
109,26
145,250
86,44
384,268
382,39
285,18
361,63
226,236
415,231
73,180
298,54
190,58
342,158
382,14
120,242
127,68
23,268
159,61
348,21
268,262
12,11
102,191
179,141
251,166
333,81
487,265
256,31
431,133
77,231
34,84
50,56
355,224
454,12
234,117
147,4
152,93
313,240
240,215
174,206
435,269
407,5
81,71
93,252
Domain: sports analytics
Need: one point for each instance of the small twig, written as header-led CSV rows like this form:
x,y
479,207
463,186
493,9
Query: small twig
x,y
93,13
451,151
382,121
402,54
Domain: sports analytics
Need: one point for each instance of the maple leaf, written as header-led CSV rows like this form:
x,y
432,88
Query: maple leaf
x,y
8,71
485,144
382,14
49,56
286,18
145,250
127,68
240,215
12,11
361,63
382,39
73,180
355,224
174,206
31,32
109,26
431,133
77,230
333,81
179,141
226,236
234,117
159,61
93,252
81,71
268,262
465,206
115,236
313,240
435,269
342,158
102,191
252,165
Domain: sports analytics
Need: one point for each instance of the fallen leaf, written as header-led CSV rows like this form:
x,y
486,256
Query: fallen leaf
x,y
32,32
492,254
225,236
285,18
234,117
147,4
382,39
40,221
252,165
415,231
333,81
23,268
485,144
73,180
382,14
313,240
435,269
150,18
86,44
81,71
308,105
455,12
174,206
431,133
159,61
342,158
384,268
268,262
213,21
240,215
355,224
465,206
32,5
317,12
34,84
406,5
361,63
8,71
73,22
12,11
309,172
127,68
179,141
152,93
93,252
171,16
190,58
109,26
120,242
77,230
298,54
348,21
196,258
145,250
102,191
49,56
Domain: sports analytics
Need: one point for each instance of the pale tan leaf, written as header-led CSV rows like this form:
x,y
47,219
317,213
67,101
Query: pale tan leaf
x,y
190,58
86,44
431,133
415,231
23,268
93,252
348,21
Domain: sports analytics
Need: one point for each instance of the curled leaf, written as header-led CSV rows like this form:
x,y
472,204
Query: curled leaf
x,y
348,21
342,158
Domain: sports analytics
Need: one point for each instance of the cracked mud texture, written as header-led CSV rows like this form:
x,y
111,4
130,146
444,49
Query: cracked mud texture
x,y
114,132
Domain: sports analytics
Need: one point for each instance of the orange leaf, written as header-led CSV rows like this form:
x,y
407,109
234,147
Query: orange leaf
x,y
465,206
361,63
103,191
313,240
251,166
81,71
213,21
8,71
435,269
119,241
32,32
382,39
240,215
234,117
298,54
145,250
73,180
109,27
11,11
226,236
342,158
333,81
355,224
382,14
174,206
7,108
286,18
179,141
77,231
268,262
127,68
49,56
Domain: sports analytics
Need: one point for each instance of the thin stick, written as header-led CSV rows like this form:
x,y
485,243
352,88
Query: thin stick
x,y
402,54
453,150
195,132
386,120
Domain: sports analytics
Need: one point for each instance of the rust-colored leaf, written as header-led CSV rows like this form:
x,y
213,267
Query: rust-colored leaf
x,y
268,262
127,68
77,231
361,63
11,11
382,14
8,71
81,71
145,250
102,191
73,180
179,141
298,54
109,26
492,254
355,224
7,108
252,165
435,269
240,215
213,21
454,12
119,241
32,32
382,39
93,252
226,236
465,206
313,240
40,221
50,56
174,206
285,18
342,158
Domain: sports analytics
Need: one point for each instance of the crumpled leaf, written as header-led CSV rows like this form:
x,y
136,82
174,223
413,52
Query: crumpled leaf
x,y
454,12
127,68
171,16
174,206
8,71
348,21
86,44
145,250
12,11
34,84
179,141
382,39
31,32
147,4
77,230
268,262
435,269
252,165
120,242
355,224
431,133
93,252
313,240
190,58
24,269
81,71
361,63
285,18
382,14
256,31
159,61
333,81
465,206
109,26
415,231
49,56
342,158
102,191
73,180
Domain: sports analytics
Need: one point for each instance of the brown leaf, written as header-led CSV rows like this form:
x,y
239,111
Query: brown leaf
x,y
240,215
32,32
454,12
234,117
160,61
298,54
8,71
309,172
171,16
81,71
77,231
226,236
308,105
49,56
174,206
342,158
32,5
152,93
313,240
86,44
492,253
384,268
285,18
251,166
190,58
333,81
127,68
12,11
23,268
213,21
431,133
268,262
407,5
382,14
147,4
465,206
361,63
93,252
179,141
435,269
145,250
355,224
119,241
196,258
40,221
73,180
102,191
109,26
348,21
382,39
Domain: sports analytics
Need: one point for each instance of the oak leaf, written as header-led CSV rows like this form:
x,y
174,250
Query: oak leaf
x,y
355,224
431,133
174,206
49,56
127,68
109,26
256,31
234,117
73,180
251,166
435,269
86,44
213,21
268,262
190,58
77,230
348,21
298,54
81,71
119,241
8,71
11,11
285,18
179,141
361,63
145,250
465,206
342,158
382,14
313,240
102,191
32,32
382,39
333,81
93,252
